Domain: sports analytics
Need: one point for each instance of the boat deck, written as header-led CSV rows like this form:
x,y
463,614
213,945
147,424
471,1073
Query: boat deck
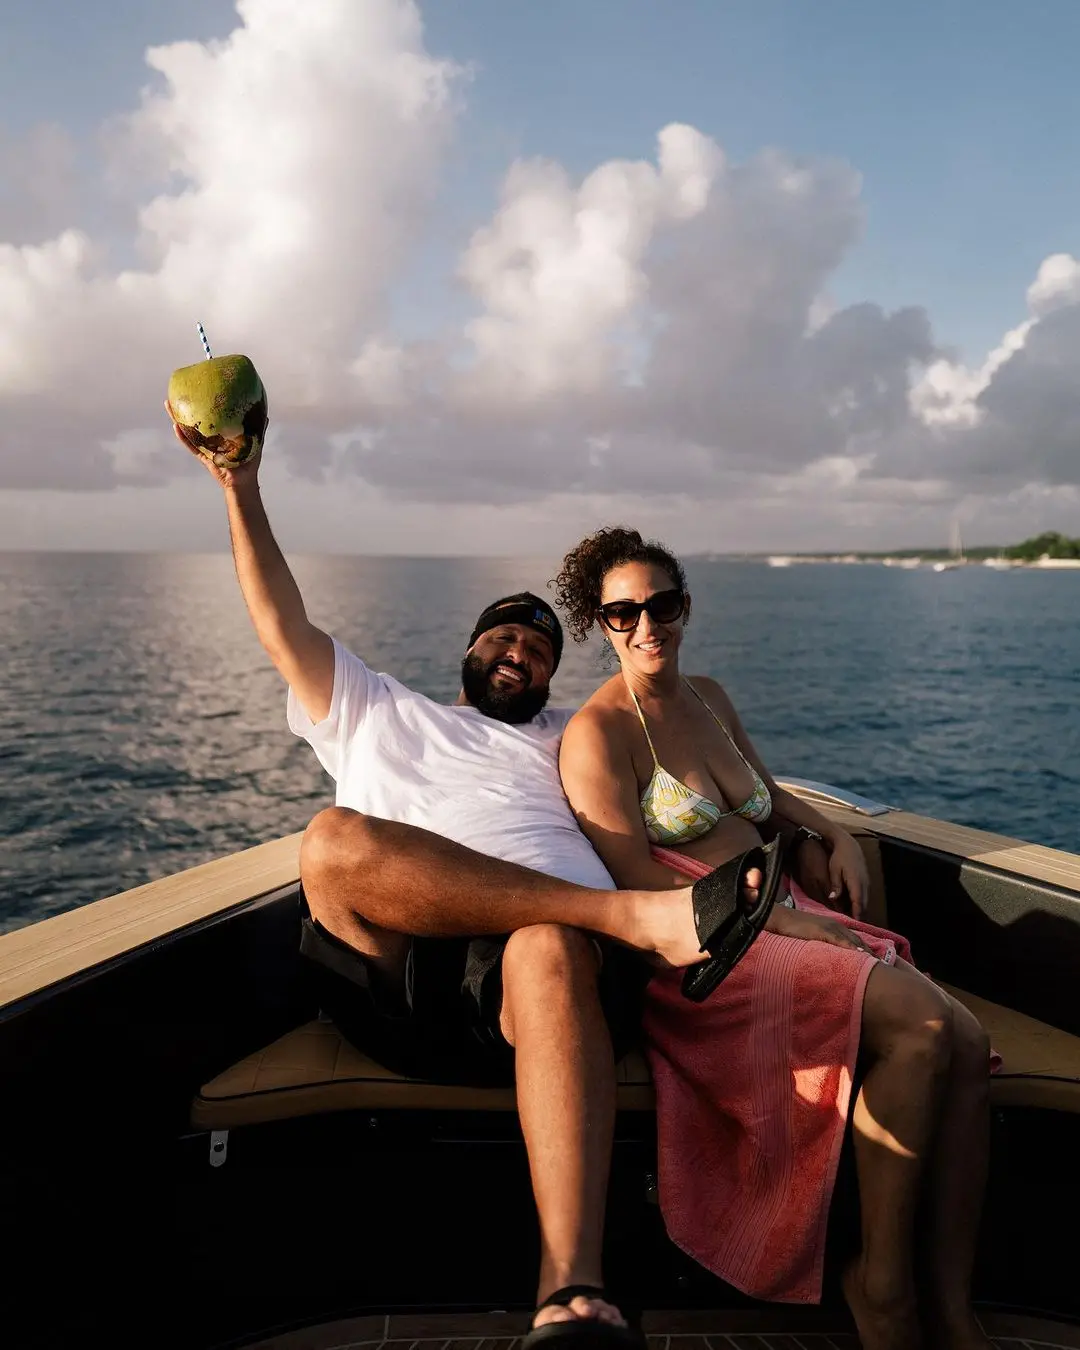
x,y
776,1328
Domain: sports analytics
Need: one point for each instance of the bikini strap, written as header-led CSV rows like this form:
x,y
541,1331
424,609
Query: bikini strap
x,y
719,722
645,728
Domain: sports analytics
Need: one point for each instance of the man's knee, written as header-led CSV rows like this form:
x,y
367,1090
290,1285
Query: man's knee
x,y
549,955
336,841
549,974
336,836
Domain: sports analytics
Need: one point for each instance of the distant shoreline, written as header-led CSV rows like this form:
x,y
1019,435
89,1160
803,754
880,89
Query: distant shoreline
x,y
909,559
1050,550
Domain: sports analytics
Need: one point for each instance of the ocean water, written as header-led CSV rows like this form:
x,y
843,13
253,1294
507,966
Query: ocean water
x,y
142,730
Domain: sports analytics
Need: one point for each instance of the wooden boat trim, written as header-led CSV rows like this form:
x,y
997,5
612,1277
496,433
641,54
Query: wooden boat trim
x,y
1032,862
54,949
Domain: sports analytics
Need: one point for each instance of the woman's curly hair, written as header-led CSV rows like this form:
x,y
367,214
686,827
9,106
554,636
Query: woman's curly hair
x,y
579,585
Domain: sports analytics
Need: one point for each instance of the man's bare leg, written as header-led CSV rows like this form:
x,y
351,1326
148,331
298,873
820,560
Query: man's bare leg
x,y
565,1074
907,1028
365,876
384,951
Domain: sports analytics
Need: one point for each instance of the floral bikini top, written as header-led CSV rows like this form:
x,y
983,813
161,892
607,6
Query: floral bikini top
x,y
674,813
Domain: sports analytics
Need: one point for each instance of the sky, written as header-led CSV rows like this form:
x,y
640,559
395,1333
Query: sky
x,y
749,275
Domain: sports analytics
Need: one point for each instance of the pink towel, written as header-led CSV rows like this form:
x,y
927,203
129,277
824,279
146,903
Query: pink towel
x,y
753,1088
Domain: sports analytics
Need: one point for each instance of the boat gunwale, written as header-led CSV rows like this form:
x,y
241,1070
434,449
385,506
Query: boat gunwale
x,y
57,949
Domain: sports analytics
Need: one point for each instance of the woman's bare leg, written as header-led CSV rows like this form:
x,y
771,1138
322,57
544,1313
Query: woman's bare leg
x,y
956,1185
906,1033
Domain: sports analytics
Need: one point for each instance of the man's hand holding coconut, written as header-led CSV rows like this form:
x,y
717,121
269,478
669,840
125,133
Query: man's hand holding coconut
x,y
219,412
218,409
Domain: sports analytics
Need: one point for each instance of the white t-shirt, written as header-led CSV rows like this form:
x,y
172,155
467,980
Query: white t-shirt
x,y
483,783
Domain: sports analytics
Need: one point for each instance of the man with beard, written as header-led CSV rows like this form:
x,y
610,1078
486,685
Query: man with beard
x,y
461,927
482,772
545,1006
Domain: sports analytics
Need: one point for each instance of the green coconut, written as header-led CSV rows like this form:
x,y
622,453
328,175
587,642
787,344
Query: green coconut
x,y
220,406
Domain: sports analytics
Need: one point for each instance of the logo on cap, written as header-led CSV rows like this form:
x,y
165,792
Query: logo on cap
x,y
542,617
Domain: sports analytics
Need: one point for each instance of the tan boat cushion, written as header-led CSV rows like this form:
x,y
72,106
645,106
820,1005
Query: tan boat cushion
x,y
314,1069
1040,1063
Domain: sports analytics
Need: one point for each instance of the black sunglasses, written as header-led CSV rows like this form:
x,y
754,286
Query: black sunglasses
x,y
664,607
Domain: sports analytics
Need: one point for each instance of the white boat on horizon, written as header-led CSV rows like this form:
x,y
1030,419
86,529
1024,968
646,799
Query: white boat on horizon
x,y
1056,564
957,546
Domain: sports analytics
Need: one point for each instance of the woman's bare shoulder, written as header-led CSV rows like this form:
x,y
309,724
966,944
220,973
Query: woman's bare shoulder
x,y
602,713
714,694
608,697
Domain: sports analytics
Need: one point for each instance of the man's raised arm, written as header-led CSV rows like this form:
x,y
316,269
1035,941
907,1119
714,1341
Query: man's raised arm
x,y
302,653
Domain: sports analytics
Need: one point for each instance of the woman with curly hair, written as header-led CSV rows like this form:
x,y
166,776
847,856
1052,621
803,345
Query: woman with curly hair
x,y
754,1083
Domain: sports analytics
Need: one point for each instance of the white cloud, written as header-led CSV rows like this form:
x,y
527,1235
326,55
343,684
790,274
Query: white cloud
x,y
138,455
301,153
560,268
1056,285
661,328
1014,420
947,394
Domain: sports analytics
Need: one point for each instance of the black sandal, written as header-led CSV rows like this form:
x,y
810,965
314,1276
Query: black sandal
x,y
724,930
582,1333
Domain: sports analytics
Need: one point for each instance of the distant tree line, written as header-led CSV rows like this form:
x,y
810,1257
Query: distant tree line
x,y
1051,543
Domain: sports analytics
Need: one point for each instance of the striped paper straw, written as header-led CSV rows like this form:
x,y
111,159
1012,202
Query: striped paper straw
x,y
206,345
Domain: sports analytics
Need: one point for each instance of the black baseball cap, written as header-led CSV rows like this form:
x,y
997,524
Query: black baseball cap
x,y
528,610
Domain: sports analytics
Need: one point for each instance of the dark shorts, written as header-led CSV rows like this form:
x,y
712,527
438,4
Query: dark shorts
x,y
445,1028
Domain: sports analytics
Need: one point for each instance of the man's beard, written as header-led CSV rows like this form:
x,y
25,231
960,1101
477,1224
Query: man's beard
x,y
505,705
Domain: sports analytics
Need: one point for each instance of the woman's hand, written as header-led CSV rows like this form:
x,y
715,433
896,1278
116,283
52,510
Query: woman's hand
x,y
827,870
848,872
812,928
810,868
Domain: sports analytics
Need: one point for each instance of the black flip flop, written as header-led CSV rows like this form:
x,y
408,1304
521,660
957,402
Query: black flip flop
x,y
582,1333
724,929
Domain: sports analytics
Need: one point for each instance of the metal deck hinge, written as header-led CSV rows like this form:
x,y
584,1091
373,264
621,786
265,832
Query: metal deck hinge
x,y
219,1147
